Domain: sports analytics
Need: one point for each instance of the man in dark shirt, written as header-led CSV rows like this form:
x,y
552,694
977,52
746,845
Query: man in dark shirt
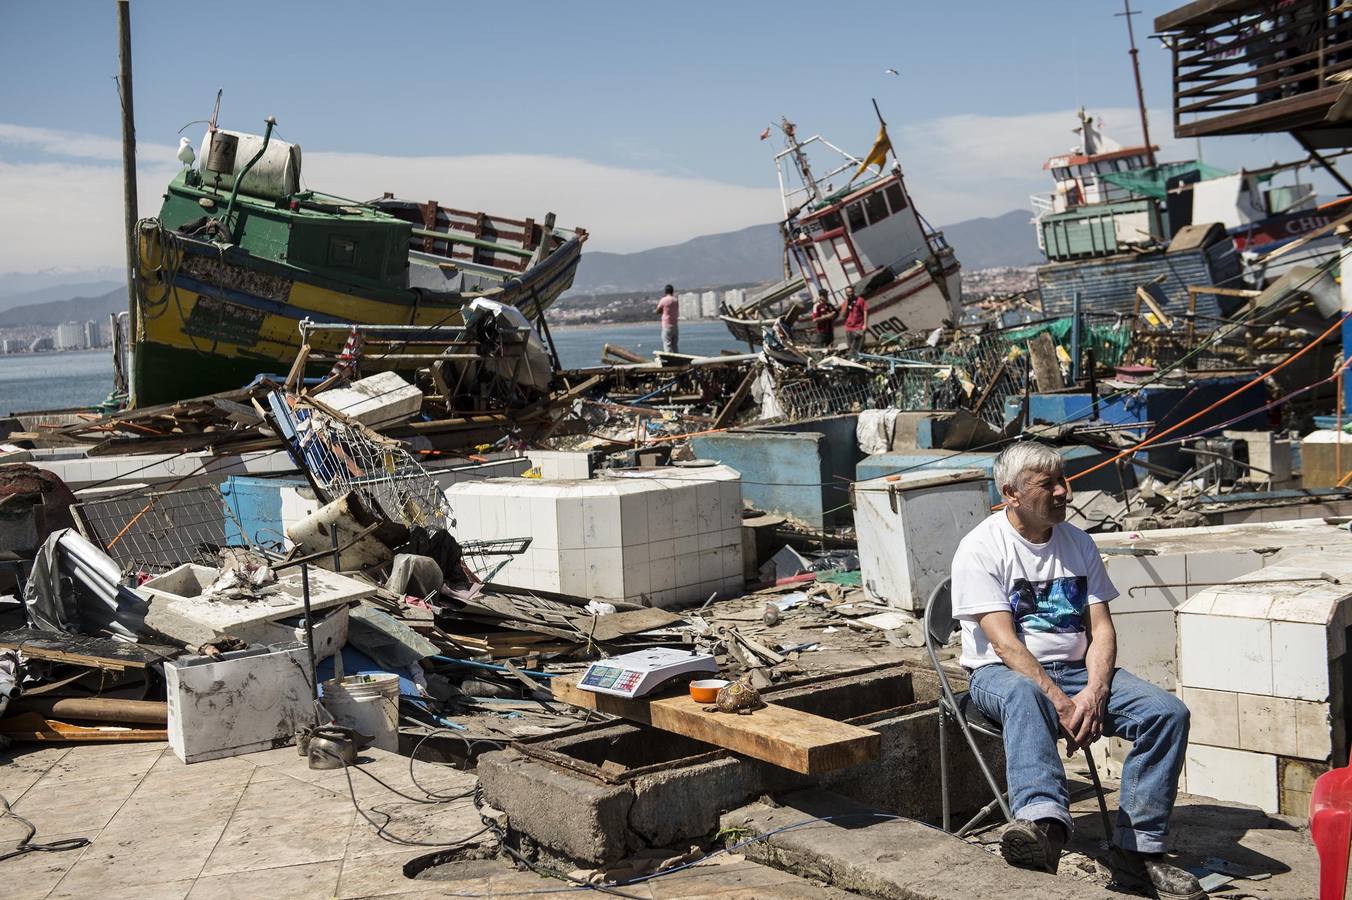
x,y
824,315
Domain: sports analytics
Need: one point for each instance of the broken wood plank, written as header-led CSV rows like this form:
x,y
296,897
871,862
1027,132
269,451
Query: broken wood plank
x,y
82,650
619,624
1046,365
31,726
730,410
794,740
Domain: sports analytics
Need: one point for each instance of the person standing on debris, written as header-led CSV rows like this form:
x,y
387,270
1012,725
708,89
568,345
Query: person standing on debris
x,y
824,315
670,310
1032,595
856,322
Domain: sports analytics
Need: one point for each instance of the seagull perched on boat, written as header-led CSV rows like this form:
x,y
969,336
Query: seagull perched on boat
x,y
185,152
892,72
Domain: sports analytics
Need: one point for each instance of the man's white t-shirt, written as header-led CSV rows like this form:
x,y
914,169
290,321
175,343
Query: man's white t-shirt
x,y
1048,587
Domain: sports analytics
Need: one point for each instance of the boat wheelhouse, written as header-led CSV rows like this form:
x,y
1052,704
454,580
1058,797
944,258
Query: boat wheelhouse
x,y
867,235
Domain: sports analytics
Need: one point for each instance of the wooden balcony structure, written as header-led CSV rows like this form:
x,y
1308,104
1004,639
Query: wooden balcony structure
x,y
1256,66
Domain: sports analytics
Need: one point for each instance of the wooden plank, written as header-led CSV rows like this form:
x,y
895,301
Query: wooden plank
x,y
1046,366
634,621
31,726
798,741
81,650
738,396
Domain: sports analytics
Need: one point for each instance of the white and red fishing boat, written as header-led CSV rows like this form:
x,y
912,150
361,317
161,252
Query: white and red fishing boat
x,y
866,234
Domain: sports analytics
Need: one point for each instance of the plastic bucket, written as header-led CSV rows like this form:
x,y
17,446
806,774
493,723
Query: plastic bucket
x,y
369,703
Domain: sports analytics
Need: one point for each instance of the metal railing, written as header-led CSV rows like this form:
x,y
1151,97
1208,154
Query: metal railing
x,y
1260,68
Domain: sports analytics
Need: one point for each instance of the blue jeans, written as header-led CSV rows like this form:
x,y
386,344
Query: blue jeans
x,y
1155,721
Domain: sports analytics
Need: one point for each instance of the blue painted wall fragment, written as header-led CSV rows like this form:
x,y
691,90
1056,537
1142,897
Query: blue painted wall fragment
x,y
254,509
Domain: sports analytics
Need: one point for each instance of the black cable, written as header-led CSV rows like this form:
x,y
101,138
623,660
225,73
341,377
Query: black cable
x,y
26,844
381,826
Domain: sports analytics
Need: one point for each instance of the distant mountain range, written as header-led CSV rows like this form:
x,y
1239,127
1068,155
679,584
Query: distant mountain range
x,y
75,309
747,256
756,254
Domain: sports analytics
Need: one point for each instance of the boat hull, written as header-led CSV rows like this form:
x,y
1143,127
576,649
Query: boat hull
x,y
913,301
211,322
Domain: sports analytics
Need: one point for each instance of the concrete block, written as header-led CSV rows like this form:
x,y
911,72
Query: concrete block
x,y
1314,738
578,818
1215,716
1300,666
1234,775
377,400
1267,724
1225,653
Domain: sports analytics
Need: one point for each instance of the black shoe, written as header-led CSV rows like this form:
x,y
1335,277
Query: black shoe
x,y
1151,875
1033,845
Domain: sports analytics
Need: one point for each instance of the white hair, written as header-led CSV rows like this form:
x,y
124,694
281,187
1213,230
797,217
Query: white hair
x,y
1024,456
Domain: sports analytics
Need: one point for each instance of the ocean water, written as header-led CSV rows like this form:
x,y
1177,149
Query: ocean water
x,y
64,380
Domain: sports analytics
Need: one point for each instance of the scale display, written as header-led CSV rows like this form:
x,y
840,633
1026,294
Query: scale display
x,y
641,672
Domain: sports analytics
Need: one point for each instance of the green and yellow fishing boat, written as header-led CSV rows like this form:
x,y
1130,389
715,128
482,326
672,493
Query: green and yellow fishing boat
x,y
239,255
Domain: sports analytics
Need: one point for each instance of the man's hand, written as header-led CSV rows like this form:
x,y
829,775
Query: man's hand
x,y
1085,724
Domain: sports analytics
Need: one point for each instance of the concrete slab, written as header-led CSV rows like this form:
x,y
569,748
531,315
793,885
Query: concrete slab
x,y
889,858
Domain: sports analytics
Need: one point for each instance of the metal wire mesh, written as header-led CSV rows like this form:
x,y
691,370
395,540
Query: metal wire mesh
x,y
343,457
155,531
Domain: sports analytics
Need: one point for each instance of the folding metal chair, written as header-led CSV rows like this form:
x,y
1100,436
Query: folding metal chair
x,y
958,706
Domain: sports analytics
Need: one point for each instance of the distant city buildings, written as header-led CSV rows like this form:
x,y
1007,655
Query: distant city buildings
x,y
708,305
689,302
68,336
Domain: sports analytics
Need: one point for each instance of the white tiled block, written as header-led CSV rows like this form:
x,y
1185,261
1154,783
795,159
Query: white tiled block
x,y
1225,654
730,537
633,519
731,494
665,549
1147,646
544,521
1215,716
662,574
1267,724
708,507
637,580
517,516
570,523
687,570
711,565
573,572
492,517
732,562
601,522
1234,775
1134,577
683,519
663,599
710,540
687,545
1205,569
661,512
1313,733
605,573
1300,661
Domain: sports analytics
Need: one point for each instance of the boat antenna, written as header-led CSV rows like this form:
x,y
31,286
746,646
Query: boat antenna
x,y
1127,13
799,158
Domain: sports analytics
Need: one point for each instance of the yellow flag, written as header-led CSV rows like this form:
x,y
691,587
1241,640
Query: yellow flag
x,y
878,155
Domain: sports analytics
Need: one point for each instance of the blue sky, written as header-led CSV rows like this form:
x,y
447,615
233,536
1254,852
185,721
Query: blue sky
x,y
638,121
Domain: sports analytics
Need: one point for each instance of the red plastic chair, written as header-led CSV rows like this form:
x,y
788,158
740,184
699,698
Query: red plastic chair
x,y
1331,829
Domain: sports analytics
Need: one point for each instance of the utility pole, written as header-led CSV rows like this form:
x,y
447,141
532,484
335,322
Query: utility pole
x,y
1127,13
128,178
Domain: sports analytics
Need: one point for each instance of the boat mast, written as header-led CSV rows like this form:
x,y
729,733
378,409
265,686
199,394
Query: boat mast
x,y
1127,13
800,158
128,177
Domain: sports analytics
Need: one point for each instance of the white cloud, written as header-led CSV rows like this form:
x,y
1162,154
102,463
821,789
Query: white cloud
x,y
623,209
70,144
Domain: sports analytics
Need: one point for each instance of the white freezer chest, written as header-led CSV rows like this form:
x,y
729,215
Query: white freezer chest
x,y
908,529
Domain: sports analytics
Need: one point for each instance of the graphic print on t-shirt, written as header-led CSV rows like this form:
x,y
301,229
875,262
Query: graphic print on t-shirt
x,y
1055,607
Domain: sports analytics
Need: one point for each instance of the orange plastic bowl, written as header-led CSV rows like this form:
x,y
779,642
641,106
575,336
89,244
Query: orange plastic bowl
x,y
706,689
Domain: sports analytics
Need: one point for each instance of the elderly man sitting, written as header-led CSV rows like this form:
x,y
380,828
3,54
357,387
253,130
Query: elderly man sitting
x,y
1032,596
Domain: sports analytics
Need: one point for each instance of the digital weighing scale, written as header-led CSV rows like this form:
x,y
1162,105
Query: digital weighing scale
x,y
635,674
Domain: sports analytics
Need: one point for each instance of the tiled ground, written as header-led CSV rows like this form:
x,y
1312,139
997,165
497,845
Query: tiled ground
x,y
265,825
